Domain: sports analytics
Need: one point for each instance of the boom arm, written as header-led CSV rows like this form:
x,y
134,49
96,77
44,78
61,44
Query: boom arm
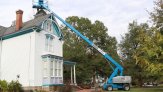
x,y
118,68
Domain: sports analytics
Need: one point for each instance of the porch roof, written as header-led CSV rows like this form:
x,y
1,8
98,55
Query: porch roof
x,y
69,63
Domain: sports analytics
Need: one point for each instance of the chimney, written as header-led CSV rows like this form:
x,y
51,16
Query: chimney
x,y
19,21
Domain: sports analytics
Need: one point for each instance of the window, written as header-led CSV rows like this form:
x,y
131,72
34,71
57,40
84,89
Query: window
x,y
45,67
51,27
49,43
55,67
59,68
48,26
52,70
58,77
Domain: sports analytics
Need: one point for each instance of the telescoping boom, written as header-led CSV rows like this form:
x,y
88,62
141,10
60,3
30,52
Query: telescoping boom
x,y
116,79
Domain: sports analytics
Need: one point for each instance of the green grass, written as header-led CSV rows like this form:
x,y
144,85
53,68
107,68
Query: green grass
x,y
149,89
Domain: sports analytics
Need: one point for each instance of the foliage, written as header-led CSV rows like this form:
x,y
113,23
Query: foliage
x,y
13,86
142,48
157,15
128,46
3,86
87,58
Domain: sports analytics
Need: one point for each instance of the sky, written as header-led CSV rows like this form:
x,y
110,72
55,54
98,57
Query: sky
x,y
115,14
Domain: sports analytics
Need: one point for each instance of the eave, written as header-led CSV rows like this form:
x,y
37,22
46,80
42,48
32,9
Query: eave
x,y
19,33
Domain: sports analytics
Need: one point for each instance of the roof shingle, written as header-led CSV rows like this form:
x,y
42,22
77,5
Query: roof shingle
x,y
36,22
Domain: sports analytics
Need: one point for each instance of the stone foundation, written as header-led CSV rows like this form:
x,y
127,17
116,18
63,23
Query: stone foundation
x,y
43,88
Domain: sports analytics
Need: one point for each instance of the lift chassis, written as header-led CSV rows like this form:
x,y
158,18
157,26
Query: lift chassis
x,y
116,79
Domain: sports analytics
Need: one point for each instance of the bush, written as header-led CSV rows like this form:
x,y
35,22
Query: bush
x,y
13,86
3,86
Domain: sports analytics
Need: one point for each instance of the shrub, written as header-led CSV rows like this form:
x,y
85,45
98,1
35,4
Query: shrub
x,y
15,86
3,86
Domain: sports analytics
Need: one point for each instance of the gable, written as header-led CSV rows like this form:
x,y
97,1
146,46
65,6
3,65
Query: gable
x,y
52,27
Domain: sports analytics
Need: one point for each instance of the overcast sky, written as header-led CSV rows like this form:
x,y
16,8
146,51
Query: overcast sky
x,y
115,14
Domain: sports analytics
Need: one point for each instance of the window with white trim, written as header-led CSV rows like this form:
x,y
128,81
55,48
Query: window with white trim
x,y
59,68
58,71
49,43
45,67
52,70
56,68
51,26
48,26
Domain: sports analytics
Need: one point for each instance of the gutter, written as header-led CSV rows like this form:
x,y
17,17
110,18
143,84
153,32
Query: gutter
x,y
21,32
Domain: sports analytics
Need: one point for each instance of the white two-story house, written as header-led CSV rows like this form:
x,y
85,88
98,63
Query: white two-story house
x,y
31,52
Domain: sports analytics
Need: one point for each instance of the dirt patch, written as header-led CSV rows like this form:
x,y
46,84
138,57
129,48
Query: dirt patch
x,y
90,90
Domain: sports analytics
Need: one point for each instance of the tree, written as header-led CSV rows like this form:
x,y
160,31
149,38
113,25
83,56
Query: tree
x,y
142,49
128,46
87,58
157,15
151,52
157,30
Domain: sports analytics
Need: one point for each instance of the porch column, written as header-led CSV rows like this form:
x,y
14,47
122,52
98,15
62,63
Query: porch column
x,y
74,75
71,77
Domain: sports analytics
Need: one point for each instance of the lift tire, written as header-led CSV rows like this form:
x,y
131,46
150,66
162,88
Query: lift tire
x,y
126,87
110,88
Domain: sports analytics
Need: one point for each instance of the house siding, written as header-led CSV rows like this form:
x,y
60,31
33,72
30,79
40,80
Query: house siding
x,y
17,58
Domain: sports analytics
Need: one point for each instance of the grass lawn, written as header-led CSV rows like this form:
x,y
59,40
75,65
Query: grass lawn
x,y
149,89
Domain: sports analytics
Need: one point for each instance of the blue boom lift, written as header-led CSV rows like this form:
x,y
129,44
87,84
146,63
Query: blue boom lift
x,y
116,79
